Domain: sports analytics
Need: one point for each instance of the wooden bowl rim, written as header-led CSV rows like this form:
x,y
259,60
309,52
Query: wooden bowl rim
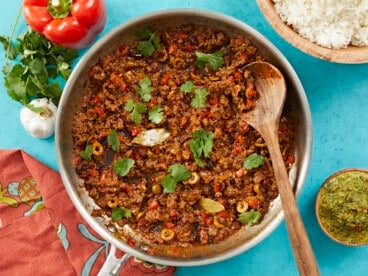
x,y
317,205
349,55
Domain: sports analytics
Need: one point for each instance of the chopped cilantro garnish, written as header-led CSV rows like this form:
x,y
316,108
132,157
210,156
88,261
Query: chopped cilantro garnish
x,y
40,63
145,88
250,217
187,87
155,115
113,140
150,41
201,145
123,166
118,213
177,173
135,109
215,60
200,96
87,152
254,161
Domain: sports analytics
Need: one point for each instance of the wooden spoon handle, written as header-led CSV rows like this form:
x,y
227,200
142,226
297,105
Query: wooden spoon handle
x,y
302,248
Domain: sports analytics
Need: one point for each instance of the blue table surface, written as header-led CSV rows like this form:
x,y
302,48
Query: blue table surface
x,y
338,98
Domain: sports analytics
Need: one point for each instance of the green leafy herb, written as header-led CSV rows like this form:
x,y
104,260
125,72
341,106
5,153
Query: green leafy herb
x,y
200,96
87,152
35,73
215,60
118,213
187,87
177,173
155,115
113,140
135,109
123,166
201,145
150,43
145,88
254,161
250,217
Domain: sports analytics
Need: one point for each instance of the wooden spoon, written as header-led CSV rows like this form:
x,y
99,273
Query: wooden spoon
x,y
265,117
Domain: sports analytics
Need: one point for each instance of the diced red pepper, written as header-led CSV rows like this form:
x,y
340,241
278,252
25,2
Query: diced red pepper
x,y
237,75
254,203
223,214
165,79
136,131
173,213
291,159
216,187
142,221
240,173
99,110
208,221
153,205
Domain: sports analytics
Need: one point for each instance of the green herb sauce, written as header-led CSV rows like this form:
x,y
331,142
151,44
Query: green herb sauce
x,y
343,207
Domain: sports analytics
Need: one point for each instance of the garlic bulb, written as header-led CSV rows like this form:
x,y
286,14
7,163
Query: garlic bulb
x,y
39,125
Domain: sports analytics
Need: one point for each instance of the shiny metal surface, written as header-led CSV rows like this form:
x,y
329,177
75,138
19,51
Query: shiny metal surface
x,y
72,96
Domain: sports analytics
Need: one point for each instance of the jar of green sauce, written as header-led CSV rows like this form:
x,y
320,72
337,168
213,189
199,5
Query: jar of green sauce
x,y
342,207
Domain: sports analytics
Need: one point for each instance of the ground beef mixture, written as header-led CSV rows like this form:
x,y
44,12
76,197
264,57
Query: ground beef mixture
x,y
188,82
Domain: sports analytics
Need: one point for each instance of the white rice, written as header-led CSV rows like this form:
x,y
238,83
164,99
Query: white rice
x,y
329,23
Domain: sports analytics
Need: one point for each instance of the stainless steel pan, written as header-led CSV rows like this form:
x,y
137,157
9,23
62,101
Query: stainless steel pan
x,y
71,101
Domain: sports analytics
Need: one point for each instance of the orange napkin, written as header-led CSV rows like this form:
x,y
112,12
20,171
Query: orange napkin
x,y
41,232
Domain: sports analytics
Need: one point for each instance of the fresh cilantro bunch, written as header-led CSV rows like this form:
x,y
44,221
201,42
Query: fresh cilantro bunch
x,y
37,65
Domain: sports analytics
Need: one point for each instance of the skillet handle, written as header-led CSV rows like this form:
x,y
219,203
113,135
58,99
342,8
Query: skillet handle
x,y
112,265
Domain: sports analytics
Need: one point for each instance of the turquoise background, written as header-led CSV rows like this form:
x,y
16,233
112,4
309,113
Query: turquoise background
x,y
338,98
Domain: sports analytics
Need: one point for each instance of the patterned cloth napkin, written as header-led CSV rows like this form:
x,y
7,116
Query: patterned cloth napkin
x,y
41,232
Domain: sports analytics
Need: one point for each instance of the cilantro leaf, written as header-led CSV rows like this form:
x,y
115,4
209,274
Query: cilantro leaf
x,y
113,140
177,173
254,161
145,88
123,166
201,145
87,152
135,109
36,67
187,87
214,60
146,48
8,47
200,97
144,33
156,115
250,217
151,41
117,213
